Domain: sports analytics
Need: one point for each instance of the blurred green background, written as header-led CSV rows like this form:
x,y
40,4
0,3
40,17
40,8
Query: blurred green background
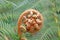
x,y
10,11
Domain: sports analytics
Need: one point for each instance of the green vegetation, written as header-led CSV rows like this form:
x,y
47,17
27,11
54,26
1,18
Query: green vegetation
x,y
10,11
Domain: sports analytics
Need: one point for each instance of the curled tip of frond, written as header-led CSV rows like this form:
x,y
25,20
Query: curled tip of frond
x,y
32,19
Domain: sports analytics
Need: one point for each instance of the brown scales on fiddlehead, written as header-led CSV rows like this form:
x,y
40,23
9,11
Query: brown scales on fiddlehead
x,y
30,21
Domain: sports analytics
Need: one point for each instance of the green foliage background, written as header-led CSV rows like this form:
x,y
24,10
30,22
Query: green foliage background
x,y
10,11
